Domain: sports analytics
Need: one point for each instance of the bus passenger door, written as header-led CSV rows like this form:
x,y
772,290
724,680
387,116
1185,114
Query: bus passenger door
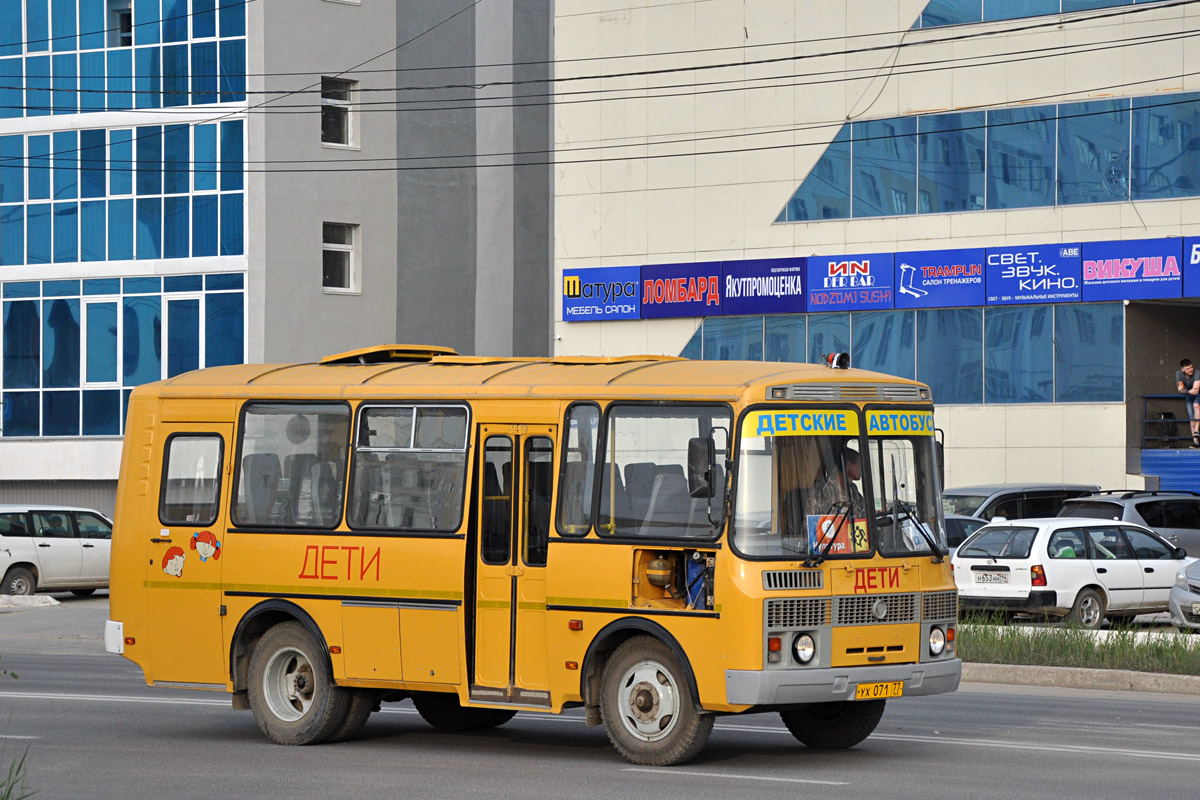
x,y
183,574
514,490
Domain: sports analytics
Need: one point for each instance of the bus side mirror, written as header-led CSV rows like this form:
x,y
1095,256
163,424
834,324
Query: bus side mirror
x,y
701,455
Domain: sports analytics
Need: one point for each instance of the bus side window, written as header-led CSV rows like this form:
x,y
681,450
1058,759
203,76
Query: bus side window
x,y
191,484
293,470
578,470
539,460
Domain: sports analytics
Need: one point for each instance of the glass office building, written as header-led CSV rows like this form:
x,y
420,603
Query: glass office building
x,y
195,183
122,221
998,199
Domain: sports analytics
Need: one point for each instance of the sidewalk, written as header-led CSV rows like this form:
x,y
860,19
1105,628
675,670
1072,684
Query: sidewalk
x,y
1113,680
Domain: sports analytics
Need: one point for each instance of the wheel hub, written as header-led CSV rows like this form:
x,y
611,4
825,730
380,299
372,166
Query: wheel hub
x,y
650,701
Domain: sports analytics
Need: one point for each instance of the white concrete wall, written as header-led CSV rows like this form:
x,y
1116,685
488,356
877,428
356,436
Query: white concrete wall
x,y
690,206
59,459
1071,442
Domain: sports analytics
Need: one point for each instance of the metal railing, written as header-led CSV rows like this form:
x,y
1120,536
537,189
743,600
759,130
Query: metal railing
x,y
1165,421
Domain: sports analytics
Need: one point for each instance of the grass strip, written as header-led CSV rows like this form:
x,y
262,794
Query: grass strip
x,y
1076,647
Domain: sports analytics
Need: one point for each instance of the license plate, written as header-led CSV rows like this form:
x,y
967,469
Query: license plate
x,y
877,691
1196,608
991,577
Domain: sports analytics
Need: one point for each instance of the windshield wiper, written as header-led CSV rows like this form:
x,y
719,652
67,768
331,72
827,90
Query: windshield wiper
x,y
843,514
896,504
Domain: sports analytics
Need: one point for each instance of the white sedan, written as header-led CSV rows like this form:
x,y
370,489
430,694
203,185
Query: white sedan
x,y
1080,569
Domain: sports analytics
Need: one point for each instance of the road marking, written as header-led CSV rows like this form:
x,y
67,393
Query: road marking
x,y
678,773
115,698
888,737
14,736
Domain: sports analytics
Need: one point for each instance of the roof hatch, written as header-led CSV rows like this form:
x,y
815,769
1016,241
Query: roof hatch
x,y
389,354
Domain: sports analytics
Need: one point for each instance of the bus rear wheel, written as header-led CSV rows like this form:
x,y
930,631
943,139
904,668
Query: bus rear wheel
x,y
291,690
443,711
834,726
647,707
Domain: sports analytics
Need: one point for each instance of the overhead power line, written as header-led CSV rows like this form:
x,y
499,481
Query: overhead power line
x,y
655,92
314,88
46,162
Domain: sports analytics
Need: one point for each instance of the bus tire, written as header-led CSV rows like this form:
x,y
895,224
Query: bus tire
x,y
834,726
362,703
19,581
291,690
647,707
443,711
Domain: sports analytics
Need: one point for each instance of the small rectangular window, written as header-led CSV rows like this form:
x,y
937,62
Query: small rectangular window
x,y
120,24
338,262
336,96
191,484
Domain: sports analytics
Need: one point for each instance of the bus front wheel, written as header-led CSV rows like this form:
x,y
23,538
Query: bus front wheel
x,y
834,726
647,707
291,690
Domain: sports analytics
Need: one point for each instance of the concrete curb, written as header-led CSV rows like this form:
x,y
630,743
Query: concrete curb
x,y
10,602
1078,678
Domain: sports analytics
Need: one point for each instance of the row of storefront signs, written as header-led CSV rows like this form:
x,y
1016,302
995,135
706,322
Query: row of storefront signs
x,y
1088,272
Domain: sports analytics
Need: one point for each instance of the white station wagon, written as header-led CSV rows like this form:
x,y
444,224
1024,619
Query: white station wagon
x,y
1081,569
53,549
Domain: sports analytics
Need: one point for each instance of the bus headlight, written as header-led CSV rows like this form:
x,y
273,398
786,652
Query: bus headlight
x,y
937,641
804,648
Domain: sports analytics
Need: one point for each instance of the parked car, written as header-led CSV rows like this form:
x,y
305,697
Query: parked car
x,y
1173,515
959,527
1012,500
1073,567
53,548
1185,598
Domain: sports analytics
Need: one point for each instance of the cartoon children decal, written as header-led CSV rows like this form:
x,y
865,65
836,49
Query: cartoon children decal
x,y
172,562
206,545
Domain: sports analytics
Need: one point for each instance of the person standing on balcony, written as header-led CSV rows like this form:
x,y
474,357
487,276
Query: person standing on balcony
x,y
1187,384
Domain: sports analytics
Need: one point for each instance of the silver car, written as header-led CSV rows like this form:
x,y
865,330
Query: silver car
x,y
1184,602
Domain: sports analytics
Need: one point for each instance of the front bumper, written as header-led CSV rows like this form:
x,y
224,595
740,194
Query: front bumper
x,y
792,686
1180,605
1034,601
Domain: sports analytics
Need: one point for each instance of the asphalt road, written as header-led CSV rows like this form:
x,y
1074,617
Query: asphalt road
x,y
94,730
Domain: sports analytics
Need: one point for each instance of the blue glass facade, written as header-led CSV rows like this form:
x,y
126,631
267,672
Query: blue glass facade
x,y
1012,354
72,349
959,12
1097,152
97,195
172,170
70,61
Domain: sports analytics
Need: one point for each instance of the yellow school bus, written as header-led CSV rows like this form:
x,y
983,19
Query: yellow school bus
x,y
656,540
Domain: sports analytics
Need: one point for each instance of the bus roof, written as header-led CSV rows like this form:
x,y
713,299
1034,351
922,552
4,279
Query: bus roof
x,y
420,372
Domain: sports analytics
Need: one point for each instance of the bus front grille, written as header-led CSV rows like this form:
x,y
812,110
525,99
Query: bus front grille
x,y
875,609
783,579
940,605
809,612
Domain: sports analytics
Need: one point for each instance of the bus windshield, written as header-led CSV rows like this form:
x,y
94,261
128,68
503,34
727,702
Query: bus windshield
x,y
904,478
799,485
